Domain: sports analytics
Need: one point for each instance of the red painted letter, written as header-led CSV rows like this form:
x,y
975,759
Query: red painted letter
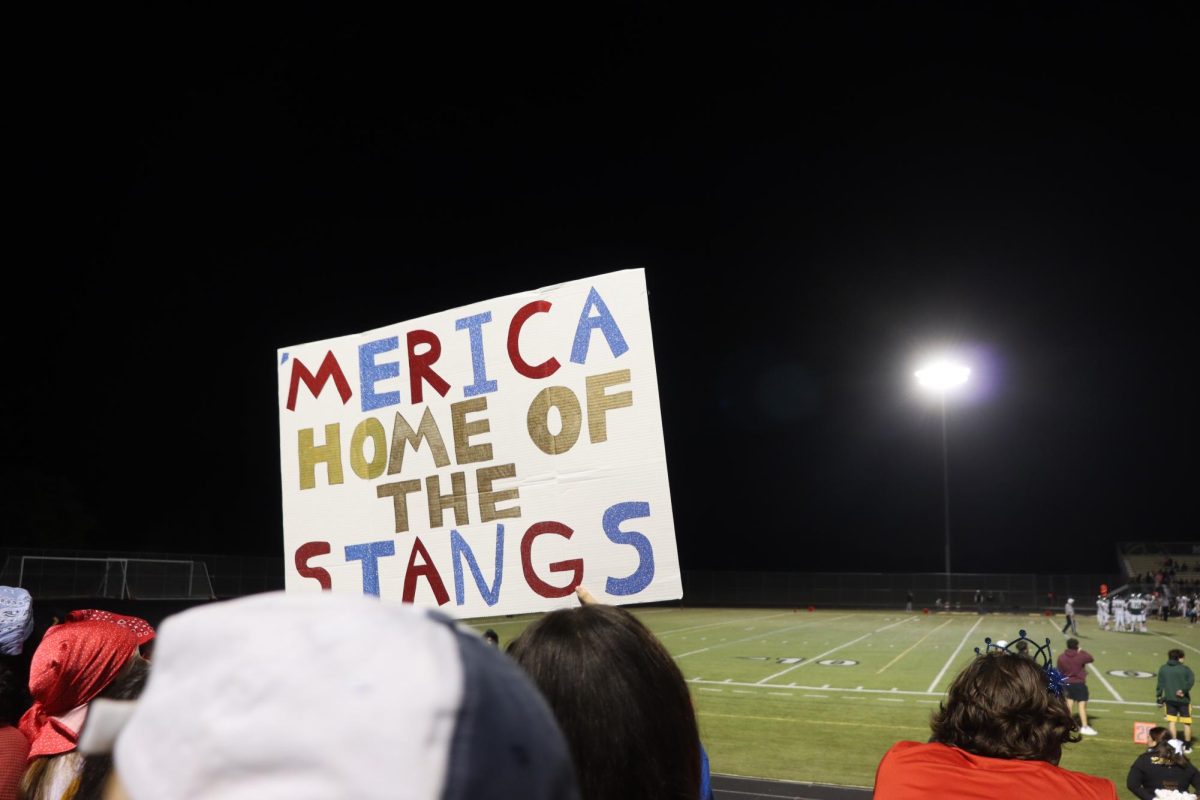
x,y
426,570
421,366
547,367
574,565
329,369
305,553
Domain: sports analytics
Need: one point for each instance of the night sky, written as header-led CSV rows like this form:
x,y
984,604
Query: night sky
x,y
819,192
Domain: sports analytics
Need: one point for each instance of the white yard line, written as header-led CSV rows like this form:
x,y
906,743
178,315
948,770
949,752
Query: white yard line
x,y
1107,685
1176,641
910,648
839,647
718,624
755,636
954,655
861,690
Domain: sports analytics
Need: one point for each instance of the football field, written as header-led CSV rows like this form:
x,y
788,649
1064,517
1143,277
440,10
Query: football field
x,y
820,696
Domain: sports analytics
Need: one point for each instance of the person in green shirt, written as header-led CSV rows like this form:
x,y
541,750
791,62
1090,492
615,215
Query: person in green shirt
x,y
1175,681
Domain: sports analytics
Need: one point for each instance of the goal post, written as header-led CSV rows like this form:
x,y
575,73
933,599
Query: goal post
x,y
114,578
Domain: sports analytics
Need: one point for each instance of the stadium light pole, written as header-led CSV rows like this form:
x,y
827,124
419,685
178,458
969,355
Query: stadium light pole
x,y
940,377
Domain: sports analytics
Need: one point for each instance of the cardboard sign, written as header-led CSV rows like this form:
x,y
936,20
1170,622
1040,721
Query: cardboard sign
x,y
485,460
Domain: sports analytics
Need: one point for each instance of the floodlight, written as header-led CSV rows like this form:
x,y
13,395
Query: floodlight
x,y
942,375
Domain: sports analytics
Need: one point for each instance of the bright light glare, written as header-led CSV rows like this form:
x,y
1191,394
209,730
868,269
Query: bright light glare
x,y
942,375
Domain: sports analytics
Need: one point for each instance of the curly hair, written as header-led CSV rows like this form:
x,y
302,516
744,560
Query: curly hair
x,y
1000,707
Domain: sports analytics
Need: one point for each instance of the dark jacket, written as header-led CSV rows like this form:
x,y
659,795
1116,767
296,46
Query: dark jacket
x,y
1149,773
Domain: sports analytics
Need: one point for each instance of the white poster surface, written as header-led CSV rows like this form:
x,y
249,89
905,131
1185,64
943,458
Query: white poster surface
x,y
485,460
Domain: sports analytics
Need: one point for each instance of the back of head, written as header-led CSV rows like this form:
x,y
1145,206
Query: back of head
x,y
1166,753
319,696
1000,706
1072,644
1174,655
620,699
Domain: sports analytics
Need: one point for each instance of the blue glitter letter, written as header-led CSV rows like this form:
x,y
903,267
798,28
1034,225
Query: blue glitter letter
x,y
459,550
369,372
605,322
475,325
369,554
641,576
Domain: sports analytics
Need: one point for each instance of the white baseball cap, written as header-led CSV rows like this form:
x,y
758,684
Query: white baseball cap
x,y
310,697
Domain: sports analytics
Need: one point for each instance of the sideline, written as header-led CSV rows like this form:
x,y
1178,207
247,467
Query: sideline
x,y
794,687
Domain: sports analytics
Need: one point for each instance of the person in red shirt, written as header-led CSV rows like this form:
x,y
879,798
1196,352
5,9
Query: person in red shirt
x,y
999,733
1073,665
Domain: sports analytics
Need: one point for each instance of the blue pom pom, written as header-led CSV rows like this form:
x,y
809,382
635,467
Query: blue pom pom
x,y
1055,681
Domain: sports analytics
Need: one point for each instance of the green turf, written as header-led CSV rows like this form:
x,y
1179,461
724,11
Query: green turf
x,y
768,708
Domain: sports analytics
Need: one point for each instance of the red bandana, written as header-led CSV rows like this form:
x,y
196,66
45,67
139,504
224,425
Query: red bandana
x,y
141,629
73,664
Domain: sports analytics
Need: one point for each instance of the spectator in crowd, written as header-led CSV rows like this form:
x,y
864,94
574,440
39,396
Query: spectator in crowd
x,y
601,670
1073,665
1175,681
311,697
14,747
999,733
1178,745
74,663
16,619
1161,767
491,637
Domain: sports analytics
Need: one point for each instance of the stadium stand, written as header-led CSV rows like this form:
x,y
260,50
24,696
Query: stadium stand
x,y
1142,562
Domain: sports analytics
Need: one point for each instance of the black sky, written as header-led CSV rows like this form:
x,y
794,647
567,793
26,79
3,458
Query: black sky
x,y
817,191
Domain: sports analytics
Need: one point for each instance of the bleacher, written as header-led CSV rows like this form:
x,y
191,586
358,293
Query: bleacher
x,y
1139,559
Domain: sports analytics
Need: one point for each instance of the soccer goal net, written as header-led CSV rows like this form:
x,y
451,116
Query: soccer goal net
x,y
119,578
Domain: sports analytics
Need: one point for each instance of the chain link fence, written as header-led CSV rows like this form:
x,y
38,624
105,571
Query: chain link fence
x,y
957,591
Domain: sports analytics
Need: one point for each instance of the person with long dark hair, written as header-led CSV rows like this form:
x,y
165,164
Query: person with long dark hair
x,y
619,698
999,732
1161,767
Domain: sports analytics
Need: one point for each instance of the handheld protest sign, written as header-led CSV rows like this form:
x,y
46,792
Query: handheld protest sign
x,y
485,460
